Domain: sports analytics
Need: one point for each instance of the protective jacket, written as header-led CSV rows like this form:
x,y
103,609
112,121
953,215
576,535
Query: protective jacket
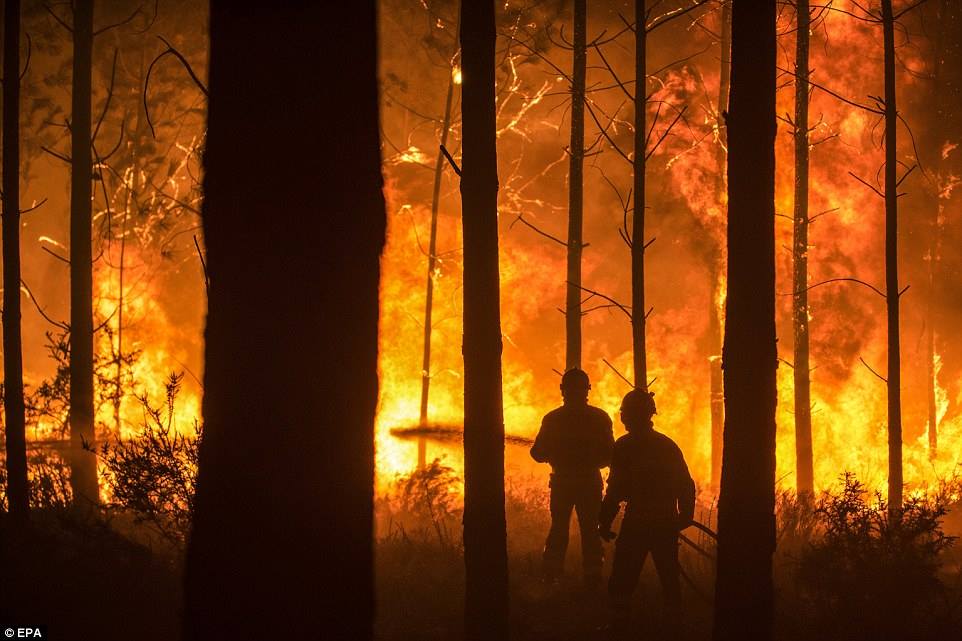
x,y
648,471
576,440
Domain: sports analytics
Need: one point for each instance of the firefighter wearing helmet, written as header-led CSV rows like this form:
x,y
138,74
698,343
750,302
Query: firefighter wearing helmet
x,y
576,440
648,472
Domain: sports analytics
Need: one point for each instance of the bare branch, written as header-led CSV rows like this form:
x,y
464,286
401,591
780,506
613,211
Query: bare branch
x,y
203,264
869,367
867,184
908,8
874,110
613,74
58,19
604,132
59,324
905,175
837,280
121,23
26,65
521,219
55,254
812,219
666,132
454,165
668,17
190,70
620,375
611,300
56,155
37,206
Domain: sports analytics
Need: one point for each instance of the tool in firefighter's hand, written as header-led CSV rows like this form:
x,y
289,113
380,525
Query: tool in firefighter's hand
x,y
606,534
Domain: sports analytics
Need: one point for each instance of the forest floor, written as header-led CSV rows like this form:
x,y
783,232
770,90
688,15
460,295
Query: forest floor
x,y
107,580
87,579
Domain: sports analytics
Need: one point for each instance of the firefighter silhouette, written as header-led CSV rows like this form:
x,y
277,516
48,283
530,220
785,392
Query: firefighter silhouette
x,y
648,472
576,440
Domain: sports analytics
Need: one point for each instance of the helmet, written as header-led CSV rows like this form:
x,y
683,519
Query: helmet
x,y
575,378
639,400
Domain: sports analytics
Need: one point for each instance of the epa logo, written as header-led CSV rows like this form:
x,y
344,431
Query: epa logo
x,y
23,633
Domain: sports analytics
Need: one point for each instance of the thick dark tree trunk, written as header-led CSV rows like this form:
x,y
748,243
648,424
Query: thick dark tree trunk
x,y
892,265
83,476
13,410
717,398
432,265
576,152
638,319
744,600
283,524
485,540
805,475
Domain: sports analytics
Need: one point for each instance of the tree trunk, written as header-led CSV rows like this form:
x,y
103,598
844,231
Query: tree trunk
x,y
892,265
432,265
83,477
744,600
485,540
283,523
576,153
717,398
804,470
18,499
947,66
638,189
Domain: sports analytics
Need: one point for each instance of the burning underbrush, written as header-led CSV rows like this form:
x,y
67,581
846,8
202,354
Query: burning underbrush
x,y
844,567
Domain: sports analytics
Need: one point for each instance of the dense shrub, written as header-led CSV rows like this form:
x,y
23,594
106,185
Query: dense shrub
x,y
867,573
153,475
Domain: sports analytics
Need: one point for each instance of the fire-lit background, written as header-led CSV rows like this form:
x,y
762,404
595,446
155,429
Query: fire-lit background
x,y
149,276
686,216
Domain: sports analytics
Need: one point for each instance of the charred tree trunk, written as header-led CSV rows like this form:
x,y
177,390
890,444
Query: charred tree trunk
x,y
638,314
804,469
892,265
18,499
83,476
576,153
717,398
744,600
485,540
432,265
282,532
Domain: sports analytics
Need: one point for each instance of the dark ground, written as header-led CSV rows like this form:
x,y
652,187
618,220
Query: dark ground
x,y
94,581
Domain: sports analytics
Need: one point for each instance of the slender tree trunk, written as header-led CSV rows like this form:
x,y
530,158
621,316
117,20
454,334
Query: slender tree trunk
x,y
576,153
892,265
83,477
18,500
638,189
717,398
932,414
432,265
283,523
744,599
119,356
485,540
946,62
804,470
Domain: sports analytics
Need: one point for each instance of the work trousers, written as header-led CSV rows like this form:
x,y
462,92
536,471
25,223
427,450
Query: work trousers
x,y
631,550
583,495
